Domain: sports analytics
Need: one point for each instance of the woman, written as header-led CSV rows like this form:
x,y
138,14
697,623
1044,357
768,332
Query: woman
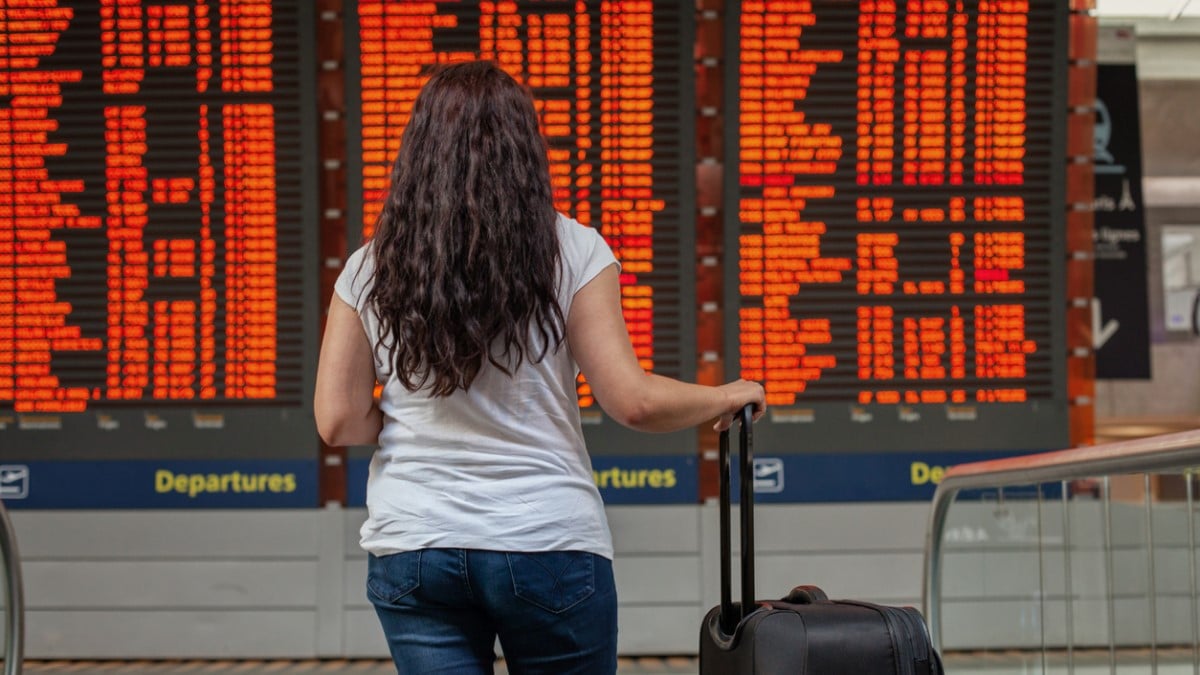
x,y
476,305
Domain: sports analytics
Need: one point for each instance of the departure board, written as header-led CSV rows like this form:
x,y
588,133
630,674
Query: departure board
x,y
894,221
613,83
154,230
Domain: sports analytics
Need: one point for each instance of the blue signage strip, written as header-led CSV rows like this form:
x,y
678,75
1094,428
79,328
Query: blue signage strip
x,y
878,477
356,482
660,479
663,479
151,484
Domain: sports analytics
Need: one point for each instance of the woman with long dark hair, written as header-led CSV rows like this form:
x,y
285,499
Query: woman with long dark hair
x,y
476,305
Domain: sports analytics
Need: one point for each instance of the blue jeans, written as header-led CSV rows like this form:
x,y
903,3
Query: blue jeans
x,y
442,610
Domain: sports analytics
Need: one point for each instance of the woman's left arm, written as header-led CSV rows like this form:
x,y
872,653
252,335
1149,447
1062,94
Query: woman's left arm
x,y
345,406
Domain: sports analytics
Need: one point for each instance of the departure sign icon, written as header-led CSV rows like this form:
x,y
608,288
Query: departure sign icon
x,y
14,481
768,475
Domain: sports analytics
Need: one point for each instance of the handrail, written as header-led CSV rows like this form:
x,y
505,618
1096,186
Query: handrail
x,y
1145,455
14,623
1196,314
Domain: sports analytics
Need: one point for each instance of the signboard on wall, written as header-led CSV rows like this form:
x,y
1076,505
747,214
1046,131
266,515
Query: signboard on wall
x,y
894,223
1120,309
1181,278
156,230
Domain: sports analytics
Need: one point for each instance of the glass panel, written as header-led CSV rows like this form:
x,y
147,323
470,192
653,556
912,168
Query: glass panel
x,y
993,572
1072,582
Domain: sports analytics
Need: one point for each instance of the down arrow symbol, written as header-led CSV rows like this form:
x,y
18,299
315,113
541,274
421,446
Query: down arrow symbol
x,y
1101,334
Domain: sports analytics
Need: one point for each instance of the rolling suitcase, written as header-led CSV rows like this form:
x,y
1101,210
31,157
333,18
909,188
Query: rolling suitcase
x,y
850,636
805,633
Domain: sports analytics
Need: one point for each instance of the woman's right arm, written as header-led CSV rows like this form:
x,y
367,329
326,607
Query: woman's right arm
x,y
344,402
599,340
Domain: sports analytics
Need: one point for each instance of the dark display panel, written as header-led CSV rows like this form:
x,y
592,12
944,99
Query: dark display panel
x,y
155,231
894,218
613,84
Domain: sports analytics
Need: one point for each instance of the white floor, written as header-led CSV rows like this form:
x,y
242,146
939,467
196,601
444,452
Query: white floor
x,y
1140,662
1170,662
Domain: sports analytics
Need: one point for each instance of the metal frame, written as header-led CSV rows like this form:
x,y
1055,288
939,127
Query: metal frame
x,y
1171,452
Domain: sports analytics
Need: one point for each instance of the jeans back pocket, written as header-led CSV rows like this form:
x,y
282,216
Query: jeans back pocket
x,y
555,580
391,577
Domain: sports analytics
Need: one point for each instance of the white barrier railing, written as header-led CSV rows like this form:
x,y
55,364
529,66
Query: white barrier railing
x,y
1069,550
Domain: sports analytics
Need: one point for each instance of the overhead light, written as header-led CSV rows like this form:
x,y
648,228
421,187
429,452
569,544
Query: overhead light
x,y
1178,11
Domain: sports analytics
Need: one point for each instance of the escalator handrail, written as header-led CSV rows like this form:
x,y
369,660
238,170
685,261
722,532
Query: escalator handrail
x,y
14,623
1144,455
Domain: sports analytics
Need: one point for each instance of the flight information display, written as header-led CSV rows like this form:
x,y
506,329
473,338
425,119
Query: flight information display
x,y
153,229
612,82
894,221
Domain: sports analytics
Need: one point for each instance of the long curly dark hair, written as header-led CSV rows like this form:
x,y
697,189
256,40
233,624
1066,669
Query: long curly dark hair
x,y
466,248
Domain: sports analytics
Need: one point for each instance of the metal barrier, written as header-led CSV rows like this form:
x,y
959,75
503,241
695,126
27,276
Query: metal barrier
x,y
1009,530
14,622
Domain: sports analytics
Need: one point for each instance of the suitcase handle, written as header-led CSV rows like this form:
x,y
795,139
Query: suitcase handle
x,y
806,595
731,615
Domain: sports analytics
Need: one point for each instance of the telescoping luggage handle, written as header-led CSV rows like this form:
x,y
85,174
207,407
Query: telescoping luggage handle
x,y
731,615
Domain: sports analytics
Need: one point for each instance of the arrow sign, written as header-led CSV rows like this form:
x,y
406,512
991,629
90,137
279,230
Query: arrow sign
x,y
1101,333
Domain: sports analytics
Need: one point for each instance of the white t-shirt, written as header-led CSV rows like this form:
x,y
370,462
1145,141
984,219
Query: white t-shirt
x,y
501,466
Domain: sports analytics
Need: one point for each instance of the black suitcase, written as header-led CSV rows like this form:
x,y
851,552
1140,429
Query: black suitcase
x,y
850,636
804,633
